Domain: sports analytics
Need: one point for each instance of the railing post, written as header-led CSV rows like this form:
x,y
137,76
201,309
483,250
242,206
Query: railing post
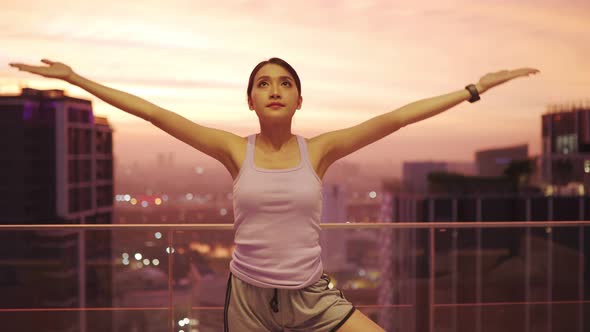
x,y
478,267
170,252
527,279
82,279
549,279
431,284
454,264
581,279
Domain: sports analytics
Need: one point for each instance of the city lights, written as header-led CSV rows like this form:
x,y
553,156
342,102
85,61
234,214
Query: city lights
x,y
221,252
158,235
549,190
184,321
201,248
138,256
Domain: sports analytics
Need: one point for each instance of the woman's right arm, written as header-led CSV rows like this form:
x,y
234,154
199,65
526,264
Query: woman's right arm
x,y
213,142
121,100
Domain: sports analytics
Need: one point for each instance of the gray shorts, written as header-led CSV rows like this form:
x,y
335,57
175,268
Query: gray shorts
x,y
250,308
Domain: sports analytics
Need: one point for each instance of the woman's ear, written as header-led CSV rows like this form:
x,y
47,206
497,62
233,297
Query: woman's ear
x,y
299,102
250,104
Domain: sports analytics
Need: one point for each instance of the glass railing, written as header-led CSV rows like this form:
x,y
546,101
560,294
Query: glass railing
x,y
465,276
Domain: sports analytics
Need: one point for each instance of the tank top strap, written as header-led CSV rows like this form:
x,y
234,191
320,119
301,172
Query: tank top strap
x,y
303,150
250,151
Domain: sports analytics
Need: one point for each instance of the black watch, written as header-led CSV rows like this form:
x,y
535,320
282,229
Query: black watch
x,y
474,94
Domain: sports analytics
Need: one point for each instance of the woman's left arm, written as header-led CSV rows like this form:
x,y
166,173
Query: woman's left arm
x,y
426,108
339,143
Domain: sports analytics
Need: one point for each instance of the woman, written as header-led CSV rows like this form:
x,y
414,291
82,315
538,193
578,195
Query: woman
x,y
276,278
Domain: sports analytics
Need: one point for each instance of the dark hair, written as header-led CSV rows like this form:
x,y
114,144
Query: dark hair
x,y
276,61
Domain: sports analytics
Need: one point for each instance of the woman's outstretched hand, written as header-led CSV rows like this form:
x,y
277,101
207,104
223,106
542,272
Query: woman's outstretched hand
x,y
54,70
491,80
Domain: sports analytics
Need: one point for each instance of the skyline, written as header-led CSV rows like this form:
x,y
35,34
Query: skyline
x,y
356,61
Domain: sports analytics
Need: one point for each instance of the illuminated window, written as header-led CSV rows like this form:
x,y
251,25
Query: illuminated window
x,y
567,143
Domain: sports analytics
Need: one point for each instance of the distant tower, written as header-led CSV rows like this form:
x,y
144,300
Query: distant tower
x,y
493,162
566,144
56,166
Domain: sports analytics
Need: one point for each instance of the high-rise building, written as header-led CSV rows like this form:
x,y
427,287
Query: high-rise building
x,y
415,173
493,162
56,167
566,145
481,265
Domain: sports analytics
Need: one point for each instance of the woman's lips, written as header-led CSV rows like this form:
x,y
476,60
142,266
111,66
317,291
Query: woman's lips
x,y
275,105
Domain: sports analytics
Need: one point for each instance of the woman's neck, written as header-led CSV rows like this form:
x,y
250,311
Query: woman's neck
x,y
274,141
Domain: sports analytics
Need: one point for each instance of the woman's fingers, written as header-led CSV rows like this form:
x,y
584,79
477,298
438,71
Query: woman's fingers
x,y
27,68
526,71
49,69
19,66
22,66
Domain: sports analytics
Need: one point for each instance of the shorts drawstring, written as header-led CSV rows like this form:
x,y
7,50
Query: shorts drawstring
x,y
274,302
328,280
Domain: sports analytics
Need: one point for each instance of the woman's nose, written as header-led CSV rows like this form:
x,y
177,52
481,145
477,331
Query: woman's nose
x,y
274,92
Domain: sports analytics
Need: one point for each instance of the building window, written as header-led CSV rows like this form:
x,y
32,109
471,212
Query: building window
x,y
104,169
85,170
79,141
104,195
72,115
28,112
567,144
73,200
79,115
72,171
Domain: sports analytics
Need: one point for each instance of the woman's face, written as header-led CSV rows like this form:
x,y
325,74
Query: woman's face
x,y
274,93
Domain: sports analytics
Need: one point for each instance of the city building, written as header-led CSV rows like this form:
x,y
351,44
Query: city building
x,y
56,167
493,162
566,145
482,265
415,173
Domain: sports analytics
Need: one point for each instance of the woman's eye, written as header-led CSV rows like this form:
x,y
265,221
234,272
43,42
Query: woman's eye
x,y
287,83
261,84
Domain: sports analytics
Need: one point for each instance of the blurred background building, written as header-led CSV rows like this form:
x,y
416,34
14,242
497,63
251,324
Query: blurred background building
x,y
566,145
56,167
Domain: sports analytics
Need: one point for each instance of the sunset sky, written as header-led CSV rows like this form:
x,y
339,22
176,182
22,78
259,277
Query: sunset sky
x,y
356,60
